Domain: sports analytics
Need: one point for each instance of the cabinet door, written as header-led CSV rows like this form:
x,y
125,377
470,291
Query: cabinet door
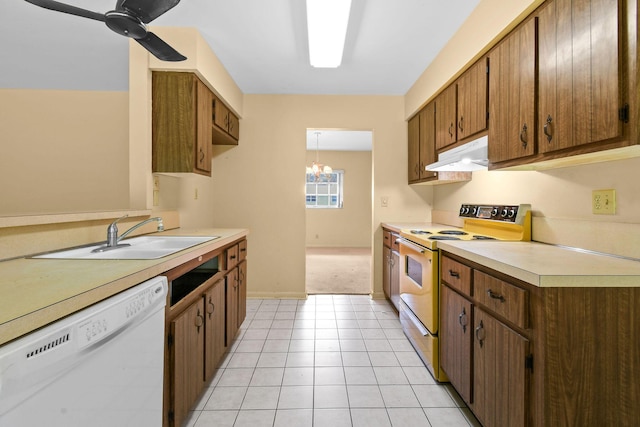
x,y
394,279
500,377
427,140
242,292
579,73
231,281
214,303
446,117
188,368
234,126
512,91
472,100
204,133
414,148
455,338
386,271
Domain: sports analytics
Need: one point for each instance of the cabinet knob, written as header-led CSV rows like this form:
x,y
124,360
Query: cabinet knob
x,y
454,274
199,320
462,319
547,130
523,136
495,295
210,307
451,130
460,123
480,333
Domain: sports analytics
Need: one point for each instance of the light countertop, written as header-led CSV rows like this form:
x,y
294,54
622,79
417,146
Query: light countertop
x,y
547,265
36,292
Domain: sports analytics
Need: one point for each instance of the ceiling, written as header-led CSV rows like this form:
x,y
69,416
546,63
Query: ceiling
x,y
262,43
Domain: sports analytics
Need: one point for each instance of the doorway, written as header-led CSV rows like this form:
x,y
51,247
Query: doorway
x,y
339,212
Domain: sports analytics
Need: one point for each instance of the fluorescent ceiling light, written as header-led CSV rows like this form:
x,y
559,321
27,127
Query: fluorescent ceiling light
x,y
327,25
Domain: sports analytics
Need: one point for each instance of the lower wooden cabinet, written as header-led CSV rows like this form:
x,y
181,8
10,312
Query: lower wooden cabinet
x,y
207,305
499,372
522,355
391,267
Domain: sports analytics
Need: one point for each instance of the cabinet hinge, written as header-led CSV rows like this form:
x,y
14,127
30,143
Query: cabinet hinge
x,y
623,113
528,362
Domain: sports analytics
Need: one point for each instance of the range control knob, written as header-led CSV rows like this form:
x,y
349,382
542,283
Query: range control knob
x,y
512,213
503,213
462,210
494,212
474,210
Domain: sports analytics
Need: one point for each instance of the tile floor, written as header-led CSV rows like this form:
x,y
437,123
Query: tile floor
x,y
332,360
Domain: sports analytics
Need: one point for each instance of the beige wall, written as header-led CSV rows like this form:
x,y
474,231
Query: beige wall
x,y
63,151
351,225
260,183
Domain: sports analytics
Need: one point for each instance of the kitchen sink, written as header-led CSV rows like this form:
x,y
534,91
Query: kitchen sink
x,y
143,247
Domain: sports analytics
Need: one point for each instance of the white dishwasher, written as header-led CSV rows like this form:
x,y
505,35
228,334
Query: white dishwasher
x,y
102,366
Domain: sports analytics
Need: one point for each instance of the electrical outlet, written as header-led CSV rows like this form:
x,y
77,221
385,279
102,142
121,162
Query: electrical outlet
x,y
603,202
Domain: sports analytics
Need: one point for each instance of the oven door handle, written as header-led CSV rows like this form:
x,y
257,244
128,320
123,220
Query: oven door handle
x,y
411,245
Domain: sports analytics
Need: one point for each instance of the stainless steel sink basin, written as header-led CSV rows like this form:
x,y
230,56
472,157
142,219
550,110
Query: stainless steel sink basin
x,y
143,247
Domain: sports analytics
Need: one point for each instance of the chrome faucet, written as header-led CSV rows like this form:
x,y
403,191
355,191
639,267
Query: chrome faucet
x,y
113,240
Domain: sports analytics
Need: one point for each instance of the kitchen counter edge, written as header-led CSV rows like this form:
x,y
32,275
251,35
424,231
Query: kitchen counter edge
x,y
545,265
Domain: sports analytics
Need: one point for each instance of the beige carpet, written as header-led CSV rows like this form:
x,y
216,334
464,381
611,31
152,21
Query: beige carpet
x,y
338,271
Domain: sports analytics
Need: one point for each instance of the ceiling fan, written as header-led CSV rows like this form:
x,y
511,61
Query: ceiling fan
x,y
128,19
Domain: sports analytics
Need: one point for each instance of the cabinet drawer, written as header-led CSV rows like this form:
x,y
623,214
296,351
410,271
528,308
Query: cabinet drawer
x,y
456,275
395,245
232,256
386,238
242,251
505,299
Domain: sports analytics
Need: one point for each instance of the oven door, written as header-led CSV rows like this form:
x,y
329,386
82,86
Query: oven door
x,y
419,283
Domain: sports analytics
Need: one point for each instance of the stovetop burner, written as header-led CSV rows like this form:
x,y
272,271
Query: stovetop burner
x,y
453,232
420,232
444,237
479,237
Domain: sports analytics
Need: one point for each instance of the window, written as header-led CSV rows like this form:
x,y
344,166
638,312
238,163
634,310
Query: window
x,y
325,191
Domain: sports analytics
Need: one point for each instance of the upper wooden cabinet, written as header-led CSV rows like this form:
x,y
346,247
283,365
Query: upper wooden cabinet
x,y
422,149
472,100
579,73
512,94
446,117
226,125
181,123
461,109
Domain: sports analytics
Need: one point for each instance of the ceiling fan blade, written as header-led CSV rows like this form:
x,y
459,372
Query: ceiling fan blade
x,y
160,49
66,8
147,10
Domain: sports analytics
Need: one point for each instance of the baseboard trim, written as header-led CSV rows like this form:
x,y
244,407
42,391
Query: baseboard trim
x,y
276,295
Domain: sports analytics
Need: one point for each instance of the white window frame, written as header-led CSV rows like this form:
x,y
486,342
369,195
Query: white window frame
x,y
335,199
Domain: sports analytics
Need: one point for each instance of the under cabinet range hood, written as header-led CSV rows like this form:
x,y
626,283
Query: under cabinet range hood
x,y
469,157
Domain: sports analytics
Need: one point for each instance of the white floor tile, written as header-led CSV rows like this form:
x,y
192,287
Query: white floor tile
x,y
261,398
296,397
267,377
216,419
445,417
328,358
433,396
236,377
297,360
356,358
404,417
399,396
254,418
329,376
272,360
390,375
332,418
276,346
244,360
298,376
370,417
330,396
226,398
294,417
360,375
365,396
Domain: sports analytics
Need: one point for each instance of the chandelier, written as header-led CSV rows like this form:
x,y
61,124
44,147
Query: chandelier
x,y
316,167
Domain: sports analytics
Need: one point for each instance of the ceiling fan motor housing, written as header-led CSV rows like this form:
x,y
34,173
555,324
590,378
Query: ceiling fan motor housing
x,y
125,24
